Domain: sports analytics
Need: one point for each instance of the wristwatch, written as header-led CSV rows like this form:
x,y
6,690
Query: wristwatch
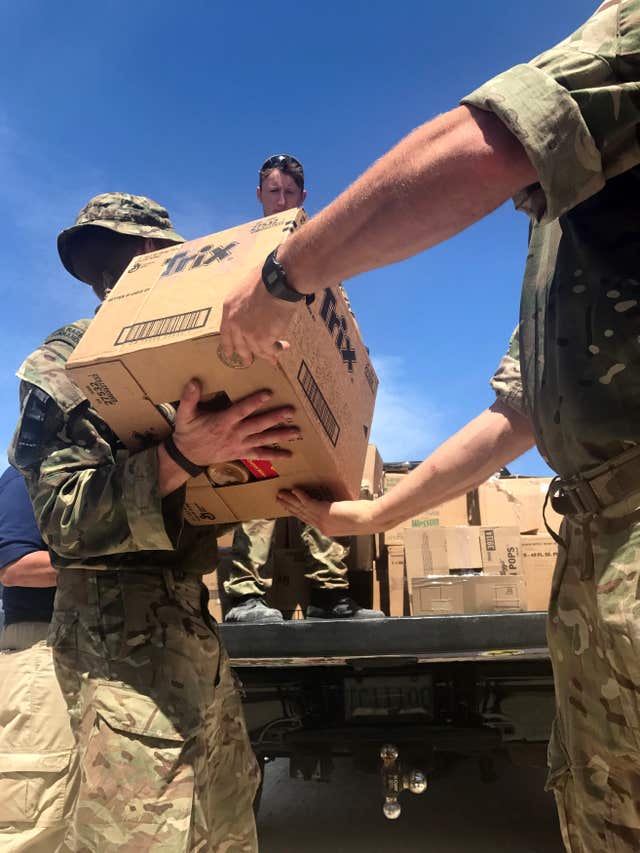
x,y
275,280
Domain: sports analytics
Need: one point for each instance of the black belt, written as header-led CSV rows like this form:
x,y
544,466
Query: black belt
x,y
592,491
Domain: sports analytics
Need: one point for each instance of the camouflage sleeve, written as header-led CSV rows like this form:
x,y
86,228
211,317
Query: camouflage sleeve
x,y
575,109
507,381
91,497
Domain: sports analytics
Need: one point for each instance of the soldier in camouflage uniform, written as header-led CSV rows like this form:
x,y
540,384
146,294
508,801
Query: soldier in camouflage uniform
x,y
165,760
248,569
559,134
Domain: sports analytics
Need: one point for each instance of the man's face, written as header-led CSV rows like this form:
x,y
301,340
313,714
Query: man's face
x,y
279,192
100,256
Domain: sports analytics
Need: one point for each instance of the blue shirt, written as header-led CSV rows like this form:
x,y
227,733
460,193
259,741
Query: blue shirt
x,y
19,535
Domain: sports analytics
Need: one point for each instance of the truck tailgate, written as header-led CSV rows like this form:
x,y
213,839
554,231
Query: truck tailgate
x,y
411,639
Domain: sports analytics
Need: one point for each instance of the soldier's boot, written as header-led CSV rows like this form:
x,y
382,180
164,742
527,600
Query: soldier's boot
x,y
334,604
253,609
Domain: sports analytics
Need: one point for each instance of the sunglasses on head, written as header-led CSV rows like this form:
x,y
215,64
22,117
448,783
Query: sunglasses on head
x,y
280,160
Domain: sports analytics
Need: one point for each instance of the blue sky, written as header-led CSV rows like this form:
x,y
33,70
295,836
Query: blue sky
x,y
182,102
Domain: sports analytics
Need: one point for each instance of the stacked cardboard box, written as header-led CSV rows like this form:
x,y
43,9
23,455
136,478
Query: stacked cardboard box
x,y
521,501
539,555
447,514
477,569
431,569
437,596
485,552
513,501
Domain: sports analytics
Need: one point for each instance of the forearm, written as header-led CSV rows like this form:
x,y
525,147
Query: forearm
x,y
479,449
32,570
443,177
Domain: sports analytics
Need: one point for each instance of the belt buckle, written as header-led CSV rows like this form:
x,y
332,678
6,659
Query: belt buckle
x,y
582,497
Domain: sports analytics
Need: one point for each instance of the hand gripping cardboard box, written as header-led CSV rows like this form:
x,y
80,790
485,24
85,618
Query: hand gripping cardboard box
x,y
159,327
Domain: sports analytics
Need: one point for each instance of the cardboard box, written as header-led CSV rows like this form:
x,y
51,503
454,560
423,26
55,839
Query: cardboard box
x,y
468,594
539,555
372,477
289,591
437,596
362,553
500,550
495,594
397,580
391,479
159,327
515,502
450,514
440,550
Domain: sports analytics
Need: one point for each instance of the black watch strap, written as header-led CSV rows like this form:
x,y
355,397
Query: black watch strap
x,y
275,280
181,460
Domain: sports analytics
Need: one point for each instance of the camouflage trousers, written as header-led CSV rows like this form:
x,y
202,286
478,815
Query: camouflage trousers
x,y
166,764
249,568
594,639
37,782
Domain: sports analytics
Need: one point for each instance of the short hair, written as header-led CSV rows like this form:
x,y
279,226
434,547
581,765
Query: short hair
x,y
286,164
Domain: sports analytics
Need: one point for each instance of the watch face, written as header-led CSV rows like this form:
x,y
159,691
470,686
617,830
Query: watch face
x,y
274,278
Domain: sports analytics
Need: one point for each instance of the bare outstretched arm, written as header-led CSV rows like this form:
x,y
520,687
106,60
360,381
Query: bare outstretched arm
x,y
483,446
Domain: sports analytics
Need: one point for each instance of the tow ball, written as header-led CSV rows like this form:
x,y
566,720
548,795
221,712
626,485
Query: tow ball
x,y
394,781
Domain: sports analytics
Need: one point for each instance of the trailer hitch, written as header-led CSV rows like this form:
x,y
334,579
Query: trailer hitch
x,y
394,781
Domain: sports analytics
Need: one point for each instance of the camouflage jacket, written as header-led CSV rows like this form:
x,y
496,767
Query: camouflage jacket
x,y
97,505
576,109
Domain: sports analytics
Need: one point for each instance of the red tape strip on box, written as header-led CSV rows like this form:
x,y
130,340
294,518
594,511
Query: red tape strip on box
x,y
260,468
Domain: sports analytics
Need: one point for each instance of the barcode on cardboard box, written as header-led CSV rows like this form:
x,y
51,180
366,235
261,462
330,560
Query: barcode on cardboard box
x,y
319,404
164,326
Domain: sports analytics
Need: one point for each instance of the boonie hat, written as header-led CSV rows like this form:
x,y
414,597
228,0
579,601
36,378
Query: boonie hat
x,y
134,215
